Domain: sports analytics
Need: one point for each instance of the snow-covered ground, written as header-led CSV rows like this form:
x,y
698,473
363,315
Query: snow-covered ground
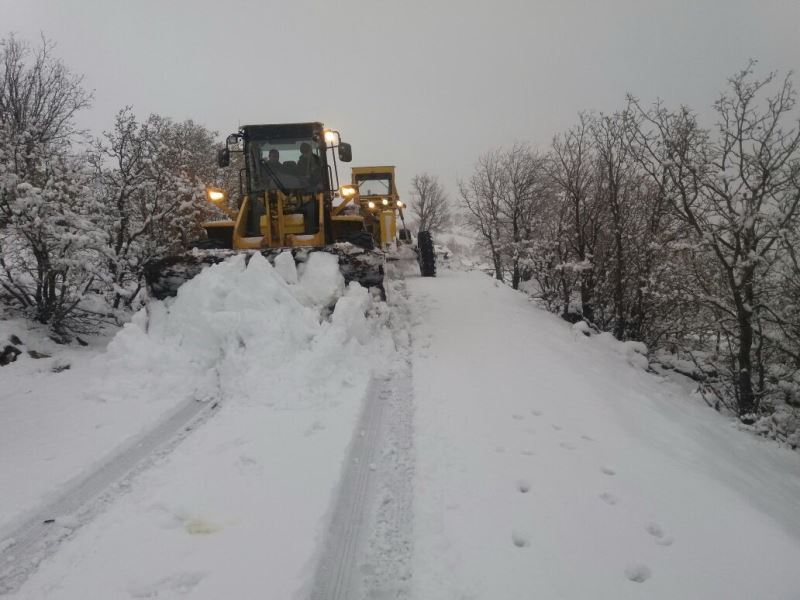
x,y
455,442
239,506
550,465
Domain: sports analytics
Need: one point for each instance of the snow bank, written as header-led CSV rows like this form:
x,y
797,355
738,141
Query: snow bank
x,y
320,279
230,326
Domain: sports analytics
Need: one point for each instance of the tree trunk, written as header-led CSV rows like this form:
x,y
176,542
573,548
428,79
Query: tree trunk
x,y
745,375
587,290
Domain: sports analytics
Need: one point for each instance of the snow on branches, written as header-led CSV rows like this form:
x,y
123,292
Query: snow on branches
x,y
657,229
79,217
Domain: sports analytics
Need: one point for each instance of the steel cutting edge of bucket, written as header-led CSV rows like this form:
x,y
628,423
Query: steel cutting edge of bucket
x,y
165,275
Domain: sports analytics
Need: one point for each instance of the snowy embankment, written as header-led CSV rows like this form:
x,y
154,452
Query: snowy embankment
x,y
550,465
238,507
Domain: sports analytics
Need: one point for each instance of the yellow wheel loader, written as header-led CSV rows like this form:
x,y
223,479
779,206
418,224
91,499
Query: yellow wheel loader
x,y
290,200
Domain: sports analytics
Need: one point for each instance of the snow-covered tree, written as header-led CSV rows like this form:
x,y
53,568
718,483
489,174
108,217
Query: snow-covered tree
x,y
573,171
739,193
482,196
46,249
150,179
429,202
522,196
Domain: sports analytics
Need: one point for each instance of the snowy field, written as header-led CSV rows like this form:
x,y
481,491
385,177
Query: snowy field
x,y
453,443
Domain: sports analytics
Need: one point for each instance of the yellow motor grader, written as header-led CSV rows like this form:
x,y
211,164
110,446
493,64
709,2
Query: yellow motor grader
x,y
372,194
288,187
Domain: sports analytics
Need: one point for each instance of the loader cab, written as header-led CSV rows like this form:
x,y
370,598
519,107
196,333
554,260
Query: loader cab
x,y
288,157
288,180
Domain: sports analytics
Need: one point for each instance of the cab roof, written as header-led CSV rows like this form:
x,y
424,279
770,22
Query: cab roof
x,y
283,130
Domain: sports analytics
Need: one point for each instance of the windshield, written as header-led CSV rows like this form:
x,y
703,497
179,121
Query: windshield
x,y
374,184
294,163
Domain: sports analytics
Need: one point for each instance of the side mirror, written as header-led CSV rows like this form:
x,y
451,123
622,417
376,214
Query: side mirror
x,y
345,152
223,157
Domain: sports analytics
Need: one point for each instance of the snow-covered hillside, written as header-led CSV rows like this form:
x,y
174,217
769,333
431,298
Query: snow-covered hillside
x,y
453,442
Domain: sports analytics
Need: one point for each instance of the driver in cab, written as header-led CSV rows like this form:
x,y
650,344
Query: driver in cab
x,y
273,160
272,169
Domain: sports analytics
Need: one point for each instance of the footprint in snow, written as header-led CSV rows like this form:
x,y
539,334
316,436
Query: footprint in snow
x,y
528,453
517,417
655,530
520,539
557,427
249,464
523,486
608,471
638,573
536,413
610,499
568,445
587,438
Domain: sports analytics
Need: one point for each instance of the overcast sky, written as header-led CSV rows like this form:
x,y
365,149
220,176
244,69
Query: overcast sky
x,y
426,86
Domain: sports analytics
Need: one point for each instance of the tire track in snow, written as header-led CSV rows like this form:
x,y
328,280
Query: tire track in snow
x,y
335,578
386,563
24,547
367,548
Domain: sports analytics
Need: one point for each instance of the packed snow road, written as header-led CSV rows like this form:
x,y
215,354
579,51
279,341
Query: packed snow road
x,y
549,465
455,442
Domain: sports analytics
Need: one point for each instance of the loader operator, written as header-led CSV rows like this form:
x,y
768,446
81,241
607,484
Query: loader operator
x,y
273,160
269,171
272,167
308,163
288,172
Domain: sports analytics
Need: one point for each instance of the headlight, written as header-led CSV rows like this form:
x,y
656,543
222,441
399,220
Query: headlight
x,y
216,195
347,191
330,136
400,204
371,204
385,202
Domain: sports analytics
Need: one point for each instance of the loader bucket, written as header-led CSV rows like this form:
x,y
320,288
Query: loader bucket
x,y
165,275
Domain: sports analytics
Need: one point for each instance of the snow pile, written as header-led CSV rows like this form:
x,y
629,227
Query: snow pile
x,y
236,327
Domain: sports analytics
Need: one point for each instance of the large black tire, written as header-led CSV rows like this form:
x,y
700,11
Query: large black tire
x,y
427,256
